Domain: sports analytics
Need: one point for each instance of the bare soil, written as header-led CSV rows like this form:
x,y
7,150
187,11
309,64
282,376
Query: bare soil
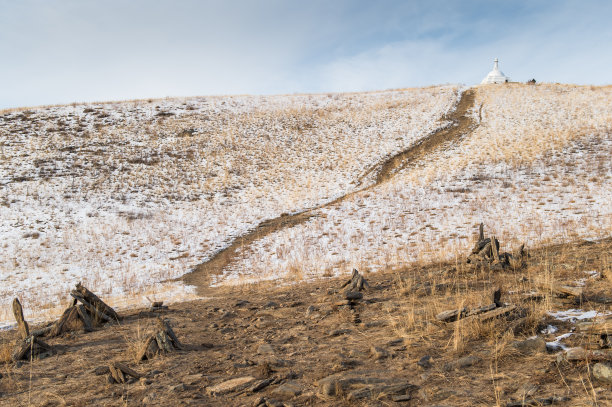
x,y
295,336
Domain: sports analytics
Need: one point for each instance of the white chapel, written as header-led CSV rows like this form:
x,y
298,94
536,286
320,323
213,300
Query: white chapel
x,y
495,76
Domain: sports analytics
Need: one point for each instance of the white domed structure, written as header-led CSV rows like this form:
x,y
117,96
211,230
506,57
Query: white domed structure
x,y
495,76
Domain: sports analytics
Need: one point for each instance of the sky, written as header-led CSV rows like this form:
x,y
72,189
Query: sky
x,y
64,51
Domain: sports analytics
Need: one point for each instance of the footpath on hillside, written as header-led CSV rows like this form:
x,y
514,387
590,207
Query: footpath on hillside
x,y
461,123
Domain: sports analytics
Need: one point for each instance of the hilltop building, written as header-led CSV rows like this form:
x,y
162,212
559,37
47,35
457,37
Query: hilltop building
x,y
495,76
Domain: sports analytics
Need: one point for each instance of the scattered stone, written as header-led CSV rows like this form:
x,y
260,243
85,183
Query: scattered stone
x,y
378,353
526,390
241,303
399,399
274,403
378,381
579,354
232,385
288,390
530,346
100,370
311,310
265,348
462,363
271,304
530,401
338,332
178,388
260,385
193,378
603,372
264,370
353,295
425,362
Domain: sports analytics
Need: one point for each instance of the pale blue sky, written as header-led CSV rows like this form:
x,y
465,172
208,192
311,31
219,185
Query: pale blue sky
x,y
61,51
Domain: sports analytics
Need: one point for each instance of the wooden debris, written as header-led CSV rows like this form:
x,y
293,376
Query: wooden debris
x,y
486,253
162,341
29,346
497,312
94,305
560,290
22,325
356,283
119,373
452,315
483,313
86,312
601,327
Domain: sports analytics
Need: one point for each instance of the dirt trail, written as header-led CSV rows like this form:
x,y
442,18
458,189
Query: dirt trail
x,y
461,124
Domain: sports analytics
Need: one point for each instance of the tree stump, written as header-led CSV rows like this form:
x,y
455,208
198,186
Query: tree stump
x,y
86,312
29,346
164,340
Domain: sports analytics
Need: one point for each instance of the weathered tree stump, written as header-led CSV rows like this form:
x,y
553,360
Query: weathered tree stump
x,y
356,283
29,346
22,326
120,372
94,305
86,312
164,340
486,252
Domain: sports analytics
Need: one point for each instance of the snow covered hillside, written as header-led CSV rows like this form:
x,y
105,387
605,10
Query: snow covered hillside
x,y
537,169
122,196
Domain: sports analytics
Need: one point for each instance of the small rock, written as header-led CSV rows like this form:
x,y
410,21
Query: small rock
x,y
241,303
425,362
273,403
145,382
271,304
577,353
378,353
526,390
193,378
353,295
178,388
259,402
265,348
229,386
463,362
530,346
338,332
310,310
149,398
603,372
399,399
288,390
99,371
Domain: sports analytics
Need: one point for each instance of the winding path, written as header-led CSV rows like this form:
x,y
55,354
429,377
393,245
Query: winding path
x,y
461,124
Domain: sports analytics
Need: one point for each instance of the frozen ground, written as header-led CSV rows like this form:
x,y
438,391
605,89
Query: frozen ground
x,y
536,170
122,196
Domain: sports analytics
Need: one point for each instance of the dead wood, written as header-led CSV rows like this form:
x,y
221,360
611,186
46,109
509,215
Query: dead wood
x,y
356,283
119,373
22,325
560,290
162,341
92,301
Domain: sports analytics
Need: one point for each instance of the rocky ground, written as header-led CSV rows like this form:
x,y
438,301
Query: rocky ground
x,y
305,344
